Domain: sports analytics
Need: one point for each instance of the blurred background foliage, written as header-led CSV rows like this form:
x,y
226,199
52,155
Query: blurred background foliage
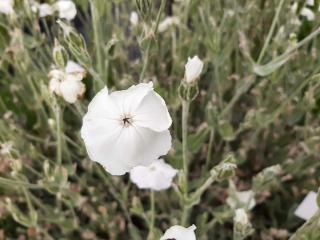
x,y
262,114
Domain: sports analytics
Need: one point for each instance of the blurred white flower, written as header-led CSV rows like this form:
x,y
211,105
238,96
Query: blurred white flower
x,y
67,9
242,199
308,13
193,69
158,176
310,2
72,89
74,68
128,128
67,82
241,217
6,147
168,22
6,6
180,233
45,10
134,18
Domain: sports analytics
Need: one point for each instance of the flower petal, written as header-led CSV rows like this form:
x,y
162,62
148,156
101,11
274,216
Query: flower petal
x,y
125,148
152,113
102,106
71,90
129,100
180,233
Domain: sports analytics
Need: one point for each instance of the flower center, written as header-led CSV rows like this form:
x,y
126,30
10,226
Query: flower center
x,y
126,121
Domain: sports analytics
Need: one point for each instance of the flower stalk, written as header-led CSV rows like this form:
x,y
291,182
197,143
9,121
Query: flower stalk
x,y
306,229
185,113
152,216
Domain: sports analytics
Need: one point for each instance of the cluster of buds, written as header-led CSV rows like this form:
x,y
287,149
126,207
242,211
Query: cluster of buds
x,y
65,79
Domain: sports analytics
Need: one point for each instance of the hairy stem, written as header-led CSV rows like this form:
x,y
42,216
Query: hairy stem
x,y
306,229
147,52
271,31
185,113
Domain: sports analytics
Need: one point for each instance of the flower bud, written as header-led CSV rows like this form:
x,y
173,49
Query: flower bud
x,y
60,55
76,43
225,169
134,18
242,226
193,69
188,92
266,178
241,218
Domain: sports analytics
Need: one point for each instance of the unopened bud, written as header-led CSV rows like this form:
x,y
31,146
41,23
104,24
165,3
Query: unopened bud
x,y
60,54
225,169
188,92
76,43
242,226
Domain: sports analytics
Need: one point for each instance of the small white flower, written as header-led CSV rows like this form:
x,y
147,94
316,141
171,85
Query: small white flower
x,y
193,69
67,82
134,18
168,22
180,233
6,6
242,199
241,217
67,9
126,128
158,176
308,13
45,10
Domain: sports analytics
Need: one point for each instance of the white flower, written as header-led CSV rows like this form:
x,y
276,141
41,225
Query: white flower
x,y
180,233
72,89
193,69
242,199
241,217
134,18
168,22
67,82
74,68
6,6
45,10
126,128
158,176
67,9
308,13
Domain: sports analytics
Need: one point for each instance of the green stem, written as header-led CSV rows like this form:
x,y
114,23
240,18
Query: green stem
x,y
97,39
152,217
271,31
155,30
185,113
208,159
10,183
59,138
306,229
